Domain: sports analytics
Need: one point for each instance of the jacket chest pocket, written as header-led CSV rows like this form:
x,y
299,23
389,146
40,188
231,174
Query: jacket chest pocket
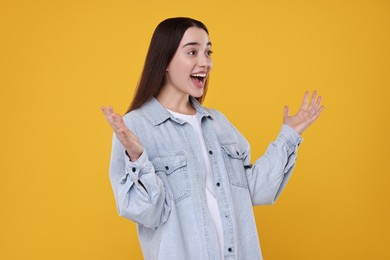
x,y
234,161
172,169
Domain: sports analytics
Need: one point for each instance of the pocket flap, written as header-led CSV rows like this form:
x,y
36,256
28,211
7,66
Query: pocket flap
x,y
169,163
232,150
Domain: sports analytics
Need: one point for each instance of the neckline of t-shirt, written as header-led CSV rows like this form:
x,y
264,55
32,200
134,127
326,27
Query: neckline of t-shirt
x,y
181,115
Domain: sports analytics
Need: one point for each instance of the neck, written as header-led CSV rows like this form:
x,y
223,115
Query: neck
x,y
176,103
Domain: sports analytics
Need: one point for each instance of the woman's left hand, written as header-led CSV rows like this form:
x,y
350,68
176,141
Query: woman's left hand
x,y
306,114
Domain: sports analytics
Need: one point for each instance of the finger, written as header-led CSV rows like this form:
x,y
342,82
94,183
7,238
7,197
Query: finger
x,y
312,100
120,122
286,111
108,115
304,101
121,126
320,109
105,111
318,102
115,121
110,109
317,114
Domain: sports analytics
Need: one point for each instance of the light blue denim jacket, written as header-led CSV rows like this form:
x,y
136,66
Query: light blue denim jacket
x,y
164,190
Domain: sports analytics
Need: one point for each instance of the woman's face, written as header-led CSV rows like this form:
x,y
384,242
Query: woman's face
x,y
190,66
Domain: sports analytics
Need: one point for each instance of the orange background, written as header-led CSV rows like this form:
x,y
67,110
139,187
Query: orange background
x,y
61,60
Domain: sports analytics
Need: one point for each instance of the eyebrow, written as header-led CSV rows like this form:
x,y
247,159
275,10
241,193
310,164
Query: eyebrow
x,y
195,43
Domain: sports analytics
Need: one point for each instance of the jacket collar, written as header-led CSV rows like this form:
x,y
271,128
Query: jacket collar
x,y
157,114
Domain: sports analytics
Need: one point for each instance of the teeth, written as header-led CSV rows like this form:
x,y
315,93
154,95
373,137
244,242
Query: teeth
x,y
199,75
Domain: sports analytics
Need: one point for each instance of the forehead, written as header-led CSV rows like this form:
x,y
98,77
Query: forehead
x,y
195,35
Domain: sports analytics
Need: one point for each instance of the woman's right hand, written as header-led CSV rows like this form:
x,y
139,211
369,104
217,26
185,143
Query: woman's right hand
x,y
127,138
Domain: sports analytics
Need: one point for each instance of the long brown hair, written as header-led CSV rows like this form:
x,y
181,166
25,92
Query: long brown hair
x,y
165,41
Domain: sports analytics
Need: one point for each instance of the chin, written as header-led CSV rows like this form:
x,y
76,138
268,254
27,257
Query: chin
x,y
197,95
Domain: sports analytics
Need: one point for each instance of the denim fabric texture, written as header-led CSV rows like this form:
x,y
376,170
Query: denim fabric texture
x,y
164,190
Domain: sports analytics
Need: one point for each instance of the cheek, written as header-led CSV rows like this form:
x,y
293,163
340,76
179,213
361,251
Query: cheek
x,y
180,68
177,66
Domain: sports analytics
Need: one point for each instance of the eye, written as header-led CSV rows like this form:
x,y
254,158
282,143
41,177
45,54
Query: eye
x,y
208,53
192,53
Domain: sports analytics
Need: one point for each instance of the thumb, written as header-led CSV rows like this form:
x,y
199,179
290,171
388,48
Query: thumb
x,y
286,111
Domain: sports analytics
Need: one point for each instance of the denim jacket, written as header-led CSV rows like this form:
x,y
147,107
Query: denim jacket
x,y
164,190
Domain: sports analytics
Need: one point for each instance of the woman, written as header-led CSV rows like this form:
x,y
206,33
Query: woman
x,y
181,171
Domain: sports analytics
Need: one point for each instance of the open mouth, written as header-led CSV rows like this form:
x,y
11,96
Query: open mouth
x,y
198,79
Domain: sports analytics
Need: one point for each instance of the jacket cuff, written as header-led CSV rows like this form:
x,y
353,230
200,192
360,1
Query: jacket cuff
x,y
290,136
136,168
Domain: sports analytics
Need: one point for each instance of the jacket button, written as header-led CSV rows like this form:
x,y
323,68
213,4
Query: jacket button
x,y
230,249
133,169
210,152
218,184
166,168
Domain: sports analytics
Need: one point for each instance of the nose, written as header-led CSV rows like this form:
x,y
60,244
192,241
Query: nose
x,y
204,61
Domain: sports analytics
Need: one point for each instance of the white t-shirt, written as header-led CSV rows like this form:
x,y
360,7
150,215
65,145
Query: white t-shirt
x,y
194,121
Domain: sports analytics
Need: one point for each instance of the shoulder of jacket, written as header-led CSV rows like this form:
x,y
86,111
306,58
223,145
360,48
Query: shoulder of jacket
x,y
133,117
218,116
133,114
215,113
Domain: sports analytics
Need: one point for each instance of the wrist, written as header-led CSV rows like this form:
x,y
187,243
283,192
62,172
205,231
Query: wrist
x,y
133,157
